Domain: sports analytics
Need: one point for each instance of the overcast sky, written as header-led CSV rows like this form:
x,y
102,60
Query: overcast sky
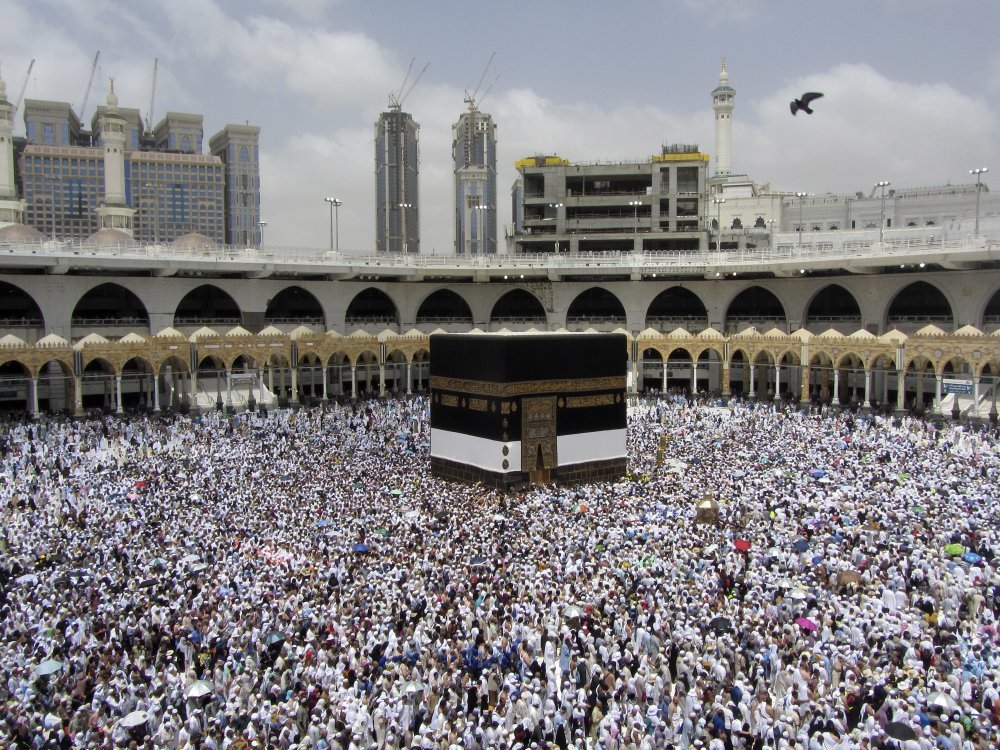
x,y
911,87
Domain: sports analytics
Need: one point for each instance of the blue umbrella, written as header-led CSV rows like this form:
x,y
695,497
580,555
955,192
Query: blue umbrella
x,y
323,522
801,545
836,537
817,560
360,548
817,473
971,557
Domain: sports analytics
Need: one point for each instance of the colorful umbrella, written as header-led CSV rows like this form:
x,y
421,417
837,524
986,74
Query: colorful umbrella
x,y
742,545
806,624
800,545
360,549
955,549
322,523
971,557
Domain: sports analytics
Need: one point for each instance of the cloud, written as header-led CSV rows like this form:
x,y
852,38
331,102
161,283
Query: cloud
x,y
866,128
316,89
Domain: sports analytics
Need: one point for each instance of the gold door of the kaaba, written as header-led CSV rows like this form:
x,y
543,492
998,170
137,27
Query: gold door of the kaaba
x,y
538,438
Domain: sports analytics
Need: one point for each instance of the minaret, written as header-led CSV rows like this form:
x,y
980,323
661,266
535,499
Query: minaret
x,y
113,213
11,209
722,102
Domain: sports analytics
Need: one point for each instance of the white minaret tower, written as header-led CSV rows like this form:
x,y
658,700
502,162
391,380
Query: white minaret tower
x,y
722,102
113,213
11,209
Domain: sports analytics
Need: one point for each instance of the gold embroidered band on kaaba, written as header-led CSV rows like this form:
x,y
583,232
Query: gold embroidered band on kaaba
x,y
525,387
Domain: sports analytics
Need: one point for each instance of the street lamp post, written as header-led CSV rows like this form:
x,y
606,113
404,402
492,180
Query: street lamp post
x,y
335,204
883,184
262,224
800,196
718,222
978,172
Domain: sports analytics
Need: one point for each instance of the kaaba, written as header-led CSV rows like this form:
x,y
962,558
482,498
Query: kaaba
x,y
509,408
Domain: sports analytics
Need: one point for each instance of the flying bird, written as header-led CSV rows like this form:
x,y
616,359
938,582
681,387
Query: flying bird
x,y
804,102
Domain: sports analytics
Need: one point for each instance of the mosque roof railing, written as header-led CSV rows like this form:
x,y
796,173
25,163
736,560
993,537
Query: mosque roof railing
x,y
788,254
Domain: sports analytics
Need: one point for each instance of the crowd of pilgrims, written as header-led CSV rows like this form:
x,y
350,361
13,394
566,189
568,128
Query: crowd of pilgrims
x,y
301,580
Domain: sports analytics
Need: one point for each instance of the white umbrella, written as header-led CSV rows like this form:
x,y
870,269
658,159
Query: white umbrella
x,y
411,514
51,720
135,719
798,594
50,666
937,699
189,559
199,689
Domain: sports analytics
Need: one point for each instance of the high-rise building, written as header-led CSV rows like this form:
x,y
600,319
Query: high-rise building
x,y
237,147
474,151
156,185
397,216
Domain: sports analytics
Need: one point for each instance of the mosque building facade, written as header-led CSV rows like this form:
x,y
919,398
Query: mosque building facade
x,y
877,301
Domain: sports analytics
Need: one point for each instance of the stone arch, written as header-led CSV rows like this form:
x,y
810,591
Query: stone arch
x,y
518,308
444,308
420,370
677,307
15,386
916,305
109,305
137,383
294,306
821,375
990,317
832,306
310,378
56,386
173,374
19,311
919,384
207,305
98,383
372,308
651,369
755,306
850,374
598,308
367,372
395,367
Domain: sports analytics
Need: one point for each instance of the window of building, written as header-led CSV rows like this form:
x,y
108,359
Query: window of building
x,y
48,134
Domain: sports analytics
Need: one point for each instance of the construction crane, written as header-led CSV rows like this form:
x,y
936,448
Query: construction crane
x,y
470,99
396,100
152,95
90,82
20,96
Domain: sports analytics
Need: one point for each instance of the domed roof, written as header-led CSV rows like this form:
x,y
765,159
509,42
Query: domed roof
x,y
193,240
14,233
110,238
